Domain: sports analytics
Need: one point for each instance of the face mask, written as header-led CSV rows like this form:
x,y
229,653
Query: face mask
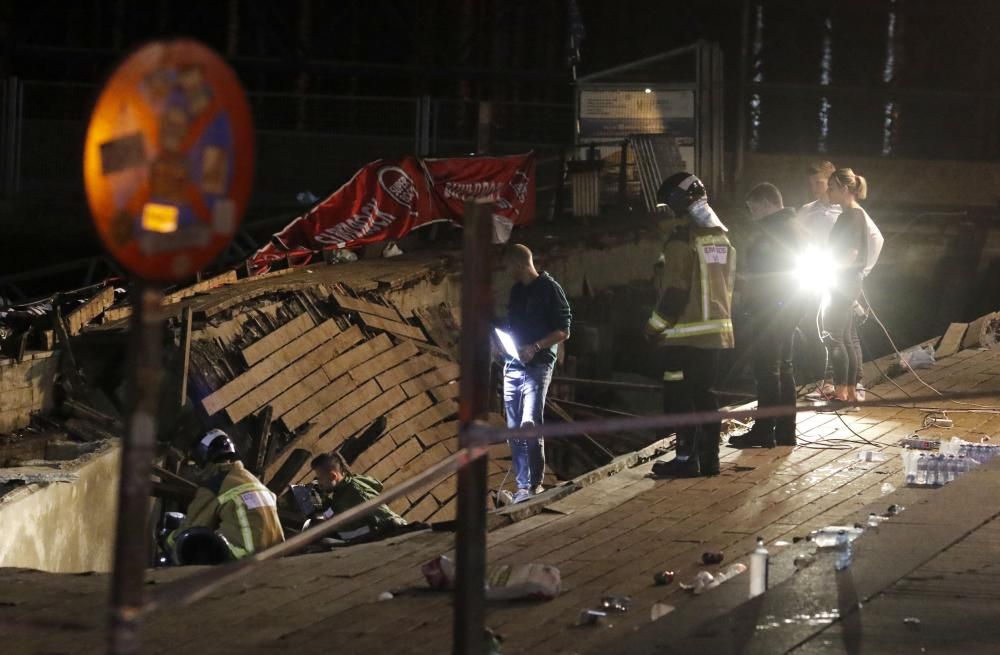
x,y
704,216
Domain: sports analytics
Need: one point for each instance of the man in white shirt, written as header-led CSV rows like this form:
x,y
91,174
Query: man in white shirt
x,y
818,218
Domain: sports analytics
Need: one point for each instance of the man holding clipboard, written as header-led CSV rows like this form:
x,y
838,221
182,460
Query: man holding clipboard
x,y
538,319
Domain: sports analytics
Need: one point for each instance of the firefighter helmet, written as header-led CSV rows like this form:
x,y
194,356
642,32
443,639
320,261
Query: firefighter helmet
x,y
680,191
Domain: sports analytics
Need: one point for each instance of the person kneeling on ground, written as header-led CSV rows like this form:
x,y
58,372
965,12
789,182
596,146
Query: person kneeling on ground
x,y
232,514
339,490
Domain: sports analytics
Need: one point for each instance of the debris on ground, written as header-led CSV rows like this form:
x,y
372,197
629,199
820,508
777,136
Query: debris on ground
x,y
712,557
663,577
616,603
659,610
503,582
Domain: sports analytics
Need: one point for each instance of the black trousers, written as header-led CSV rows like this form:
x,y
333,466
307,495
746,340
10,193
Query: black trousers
x,y
773,339
844,343
692,391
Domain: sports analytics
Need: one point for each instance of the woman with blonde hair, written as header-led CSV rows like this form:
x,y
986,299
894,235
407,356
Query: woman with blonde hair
x,y
848,245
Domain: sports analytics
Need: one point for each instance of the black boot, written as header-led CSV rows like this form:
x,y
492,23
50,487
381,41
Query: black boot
x,y
709,463
784,431
757,437
678,468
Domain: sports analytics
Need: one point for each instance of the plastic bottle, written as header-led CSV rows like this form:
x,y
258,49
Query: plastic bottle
x,y
759,565
872,520
934,471
921,473
963,464
846,552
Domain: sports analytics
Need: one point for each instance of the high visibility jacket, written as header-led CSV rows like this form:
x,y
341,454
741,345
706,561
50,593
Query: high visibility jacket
x,y
694,284
234,503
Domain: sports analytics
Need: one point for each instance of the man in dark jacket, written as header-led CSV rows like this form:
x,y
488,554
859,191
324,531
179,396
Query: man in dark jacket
x,y
771,291
339,490
538,317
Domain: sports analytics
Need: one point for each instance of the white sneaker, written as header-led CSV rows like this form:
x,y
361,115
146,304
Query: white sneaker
x,y
859,391
521,496
539,489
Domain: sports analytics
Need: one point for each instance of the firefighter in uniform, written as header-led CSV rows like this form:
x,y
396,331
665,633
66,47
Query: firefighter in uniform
x,y
232,515
692,320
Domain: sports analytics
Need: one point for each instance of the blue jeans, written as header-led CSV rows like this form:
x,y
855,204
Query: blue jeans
x,y
524,389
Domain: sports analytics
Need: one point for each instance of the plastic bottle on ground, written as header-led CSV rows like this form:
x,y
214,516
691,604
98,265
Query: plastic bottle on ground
x,y
921,472
759,564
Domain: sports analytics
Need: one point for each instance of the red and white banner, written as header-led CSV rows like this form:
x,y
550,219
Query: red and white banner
x,y
387,199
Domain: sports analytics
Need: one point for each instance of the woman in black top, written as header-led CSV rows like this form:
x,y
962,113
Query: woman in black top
x,y
848,246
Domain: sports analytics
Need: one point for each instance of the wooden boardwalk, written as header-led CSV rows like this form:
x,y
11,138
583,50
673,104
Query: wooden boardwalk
x,y
608,538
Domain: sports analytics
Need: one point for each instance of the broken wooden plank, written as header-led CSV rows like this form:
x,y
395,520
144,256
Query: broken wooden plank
x,y
448,512
252,378
442,334
114,314
356,356
88,311
358,419
291,397
200,287
317,402
430,436
283,380
951,342
262,439
422,510
435,378
383,362
423,420
398,328
396,460
283,475
445,391
271,342
407,370
363,306
329,418
407,410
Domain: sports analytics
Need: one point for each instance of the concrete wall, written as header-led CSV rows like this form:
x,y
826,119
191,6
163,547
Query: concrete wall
x,y
25,387
629,258
64,527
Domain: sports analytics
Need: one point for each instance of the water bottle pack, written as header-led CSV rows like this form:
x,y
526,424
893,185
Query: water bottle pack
x,y
935,470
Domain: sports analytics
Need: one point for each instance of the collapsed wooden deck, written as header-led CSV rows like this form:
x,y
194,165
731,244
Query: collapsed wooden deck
x,y
607,538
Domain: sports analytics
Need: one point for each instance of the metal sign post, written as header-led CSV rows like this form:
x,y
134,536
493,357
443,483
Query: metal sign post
x,y
168,166
138,450
470,540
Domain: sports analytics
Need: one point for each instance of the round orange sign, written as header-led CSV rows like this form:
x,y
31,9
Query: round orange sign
x,y
168,160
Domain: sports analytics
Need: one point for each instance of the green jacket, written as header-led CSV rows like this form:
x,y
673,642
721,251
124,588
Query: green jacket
x,y
234,503
352,491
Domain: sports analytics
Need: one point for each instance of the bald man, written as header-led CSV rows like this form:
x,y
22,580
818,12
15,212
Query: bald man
x,y
538,318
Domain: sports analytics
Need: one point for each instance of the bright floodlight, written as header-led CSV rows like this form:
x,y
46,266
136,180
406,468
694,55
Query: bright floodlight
x,y
814,270
508,344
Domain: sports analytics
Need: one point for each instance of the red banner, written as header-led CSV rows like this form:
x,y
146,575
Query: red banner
x,y
387,199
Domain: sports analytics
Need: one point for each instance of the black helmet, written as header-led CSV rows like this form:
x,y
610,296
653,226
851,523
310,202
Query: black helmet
x,y
213,447
680,191
200,546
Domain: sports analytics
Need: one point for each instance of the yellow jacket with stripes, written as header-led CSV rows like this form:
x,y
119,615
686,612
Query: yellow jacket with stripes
x,y
694,287
234,503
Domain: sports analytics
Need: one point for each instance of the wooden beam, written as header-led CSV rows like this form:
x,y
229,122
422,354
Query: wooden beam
x,y
277,338
365,307
186,319
398,328
89,310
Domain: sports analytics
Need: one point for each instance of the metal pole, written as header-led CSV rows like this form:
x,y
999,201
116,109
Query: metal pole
x,y
741,102
131,539
470,541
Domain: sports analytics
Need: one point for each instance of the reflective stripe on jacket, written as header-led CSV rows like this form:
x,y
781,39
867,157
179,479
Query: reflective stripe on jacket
x,y
234,503
695,287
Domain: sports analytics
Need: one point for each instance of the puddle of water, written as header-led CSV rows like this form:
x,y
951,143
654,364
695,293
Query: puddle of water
x,y
772,622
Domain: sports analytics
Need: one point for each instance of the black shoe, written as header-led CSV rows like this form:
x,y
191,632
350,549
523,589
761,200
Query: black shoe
x,y
753,439
677,468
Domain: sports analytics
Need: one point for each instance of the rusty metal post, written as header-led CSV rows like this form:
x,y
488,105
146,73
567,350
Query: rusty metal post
x,y
138,450
470,541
